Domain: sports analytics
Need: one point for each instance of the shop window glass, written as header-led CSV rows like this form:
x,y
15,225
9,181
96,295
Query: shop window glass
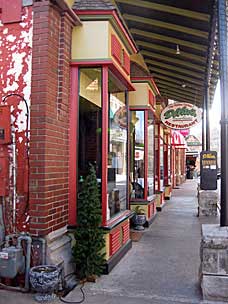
x,y
161,163
137,142
150,153
117,148
90,119
169,164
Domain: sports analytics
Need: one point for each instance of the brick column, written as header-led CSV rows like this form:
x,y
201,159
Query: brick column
x,y
49,152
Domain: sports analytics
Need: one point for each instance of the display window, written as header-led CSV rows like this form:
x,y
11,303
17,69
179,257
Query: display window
x,y
117,147
150,151
141,154
161,163
137,152
90,119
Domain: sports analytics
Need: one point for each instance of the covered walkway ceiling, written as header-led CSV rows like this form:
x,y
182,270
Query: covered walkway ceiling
x,y
178,42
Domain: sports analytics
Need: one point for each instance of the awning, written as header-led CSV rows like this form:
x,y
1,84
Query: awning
x,y
178,42
178,140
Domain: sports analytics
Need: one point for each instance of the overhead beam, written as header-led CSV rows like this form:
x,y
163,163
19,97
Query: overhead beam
x,y
167,9
175,81
180,97
167,25
178,87
158,47
174,60
174,68
174,41
180,94
176,75
175,90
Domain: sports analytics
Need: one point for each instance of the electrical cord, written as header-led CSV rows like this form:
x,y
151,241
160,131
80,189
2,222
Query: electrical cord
x,y
75,302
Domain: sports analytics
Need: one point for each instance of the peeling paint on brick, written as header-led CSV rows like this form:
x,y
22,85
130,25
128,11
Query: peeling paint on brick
x,y
15,77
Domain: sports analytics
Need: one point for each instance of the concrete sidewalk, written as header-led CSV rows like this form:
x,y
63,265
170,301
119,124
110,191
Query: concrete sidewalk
x,y
160,269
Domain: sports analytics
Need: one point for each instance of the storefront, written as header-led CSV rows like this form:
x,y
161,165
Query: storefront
x,y
161,158
142,125
167,163
99,123
179,147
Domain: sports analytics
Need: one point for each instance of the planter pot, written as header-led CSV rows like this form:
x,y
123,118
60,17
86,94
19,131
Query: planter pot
x,y
44,280
139,220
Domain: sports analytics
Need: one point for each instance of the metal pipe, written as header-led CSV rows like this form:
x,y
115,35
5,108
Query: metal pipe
x,y
2,224
14,180
203,126
28,239
223,64
8,238
207,118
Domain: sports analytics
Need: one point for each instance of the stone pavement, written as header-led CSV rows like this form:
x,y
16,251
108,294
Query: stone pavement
x,y
162,268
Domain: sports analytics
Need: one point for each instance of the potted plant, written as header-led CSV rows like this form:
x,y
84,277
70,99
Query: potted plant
x,y
44,280
139,219
89,236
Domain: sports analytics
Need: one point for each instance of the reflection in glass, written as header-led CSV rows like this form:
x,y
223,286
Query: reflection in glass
x,y
161,164
169,164
150,153
90,119
117,149
137,142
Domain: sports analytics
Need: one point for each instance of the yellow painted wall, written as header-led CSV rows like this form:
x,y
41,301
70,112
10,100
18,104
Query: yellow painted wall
x,y
138,58
89,41
140,96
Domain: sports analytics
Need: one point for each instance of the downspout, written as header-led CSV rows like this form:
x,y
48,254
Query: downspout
x,y
223,65
14,181
28,239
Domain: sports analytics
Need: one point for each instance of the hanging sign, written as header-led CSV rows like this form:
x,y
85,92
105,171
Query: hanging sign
x,y
181,116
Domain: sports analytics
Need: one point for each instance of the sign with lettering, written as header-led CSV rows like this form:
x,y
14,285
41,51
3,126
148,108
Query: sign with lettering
x,y
181,116
208,170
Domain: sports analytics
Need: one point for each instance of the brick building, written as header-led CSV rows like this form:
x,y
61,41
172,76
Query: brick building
x,y
73,79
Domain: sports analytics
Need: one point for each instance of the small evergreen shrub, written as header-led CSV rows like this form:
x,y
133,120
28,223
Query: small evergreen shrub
x,y
87,251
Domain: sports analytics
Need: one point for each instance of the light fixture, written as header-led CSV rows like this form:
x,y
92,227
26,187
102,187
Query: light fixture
x,y
178,50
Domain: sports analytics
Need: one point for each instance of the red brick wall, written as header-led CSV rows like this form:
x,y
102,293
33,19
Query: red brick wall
x,y
49,152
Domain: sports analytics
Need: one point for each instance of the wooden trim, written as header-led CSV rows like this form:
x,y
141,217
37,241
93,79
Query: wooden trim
x,y
177,75
91,63
145,154
166,84
161,48
167,9
182,62
172,40
181,91
112,66
175,81
174,68
167,25
73,130
105,117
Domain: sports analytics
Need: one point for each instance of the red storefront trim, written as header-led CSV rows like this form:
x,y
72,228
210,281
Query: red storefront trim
x,y
166,147
146,154
105,117
73,146
111,65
